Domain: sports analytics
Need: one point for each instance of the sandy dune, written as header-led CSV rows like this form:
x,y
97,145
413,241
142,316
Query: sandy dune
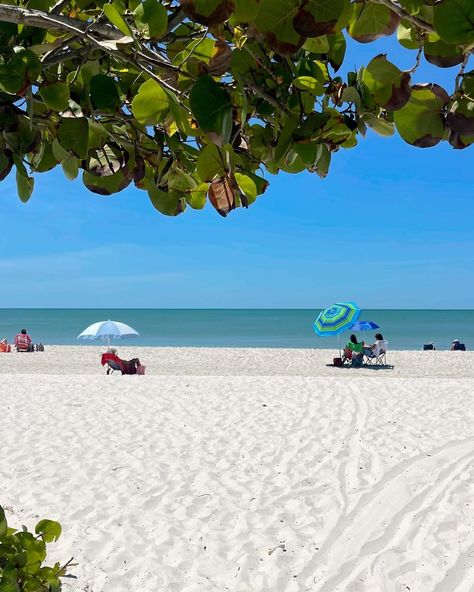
x,y
245,470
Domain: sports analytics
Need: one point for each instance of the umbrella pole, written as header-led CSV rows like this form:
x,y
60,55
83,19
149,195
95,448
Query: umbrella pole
x,y
339,345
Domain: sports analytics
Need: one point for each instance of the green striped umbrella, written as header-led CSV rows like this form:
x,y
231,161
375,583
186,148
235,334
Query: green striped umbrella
x,y
336,319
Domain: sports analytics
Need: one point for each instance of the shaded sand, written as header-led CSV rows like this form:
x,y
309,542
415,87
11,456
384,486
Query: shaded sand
x,y
245,470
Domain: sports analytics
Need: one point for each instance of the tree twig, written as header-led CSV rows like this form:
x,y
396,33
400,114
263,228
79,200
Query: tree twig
x,y
397,9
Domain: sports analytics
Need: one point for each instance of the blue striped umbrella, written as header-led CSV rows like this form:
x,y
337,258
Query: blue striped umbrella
x,y
336,319
364,326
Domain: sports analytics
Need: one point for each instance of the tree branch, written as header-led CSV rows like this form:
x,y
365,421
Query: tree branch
x,y
43,20
397,9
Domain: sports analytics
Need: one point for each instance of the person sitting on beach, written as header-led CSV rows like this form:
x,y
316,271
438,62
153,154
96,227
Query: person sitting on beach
x,y
354,350
376,348
5,346
457,346
22,342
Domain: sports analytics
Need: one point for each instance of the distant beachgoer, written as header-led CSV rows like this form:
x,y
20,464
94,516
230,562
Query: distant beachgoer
x,y
457,346
23,342
5,346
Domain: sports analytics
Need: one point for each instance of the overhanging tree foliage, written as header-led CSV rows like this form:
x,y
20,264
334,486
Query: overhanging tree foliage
x,y
193,99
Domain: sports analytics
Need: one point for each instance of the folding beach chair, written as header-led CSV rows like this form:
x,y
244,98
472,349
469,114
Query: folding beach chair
x,y
380,354
112,362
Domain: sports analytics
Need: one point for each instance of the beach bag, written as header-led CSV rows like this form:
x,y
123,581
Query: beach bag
x,y
337,361
141,369
39,347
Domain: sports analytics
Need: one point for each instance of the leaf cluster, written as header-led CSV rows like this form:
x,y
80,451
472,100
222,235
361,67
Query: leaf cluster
x,y
194,100
22,554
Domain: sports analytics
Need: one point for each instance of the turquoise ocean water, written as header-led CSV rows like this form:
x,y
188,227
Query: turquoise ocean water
x,y
404,329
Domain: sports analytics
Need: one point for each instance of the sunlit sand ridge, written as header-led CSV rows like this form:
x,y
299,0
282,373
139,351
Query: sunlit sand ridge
x,y
245,470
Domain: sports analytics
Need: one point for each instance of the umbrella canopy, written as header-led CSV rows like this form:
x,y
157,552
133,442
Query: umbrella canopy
x,y
336,319
108,330
364,326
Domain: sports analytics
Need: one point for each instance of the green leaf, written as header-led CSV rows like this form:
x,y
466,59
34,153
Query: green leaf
x,y
3,523
197,197
420,122
169,203
381,126
56,96
337,50
71,167
151,18
317,44
309,84
319,17
275,21
18,71
6,163
24,183
371,21
247,187
443,55
208,12
151,104
389,86
454,21
210,163
106,185
104,93
73,135
407,35
460,122
49,530
245,10
114,16
212,107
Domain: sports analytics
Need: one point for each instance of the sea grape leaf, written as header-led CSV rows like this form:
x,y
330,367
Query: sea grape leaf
x,y
247,187
420,122
49,530
389,86
73,135
106,185
212,107
371,21
170,203
104,93
56,95
208,12
151,18
309,84
275,21
210,163
113,14
18,71
337,50
245,10
460,123
454,21
222,194
319,17
442,54
151,103
407,35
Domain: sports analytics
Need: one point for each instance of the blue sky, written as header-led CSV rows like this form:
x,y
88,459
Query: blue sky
x,y
390,227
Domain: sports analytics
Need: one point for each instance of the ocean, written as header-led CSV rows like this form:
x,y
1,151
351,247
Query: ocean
x,y
404,329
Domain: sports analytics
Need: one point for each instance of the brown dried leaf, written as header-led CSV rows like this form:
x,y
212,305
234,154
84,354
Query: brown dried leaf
x,y
222,194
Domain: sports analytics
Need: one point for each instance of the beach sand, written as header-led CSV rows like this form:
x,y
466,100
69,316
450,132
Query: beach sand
x,y
244,469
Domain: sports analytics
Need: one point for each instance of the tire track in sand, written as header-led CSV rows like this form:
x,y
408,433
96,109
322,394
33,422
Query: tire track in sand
x,y
385,515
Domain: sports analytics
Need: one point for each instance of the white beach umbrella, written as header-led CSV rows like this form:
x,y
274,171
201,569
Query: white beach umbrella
x,y
108,330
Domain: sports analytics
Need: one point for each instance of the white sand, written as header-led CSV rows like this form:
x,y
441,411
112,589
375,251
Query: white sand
x,y
244,470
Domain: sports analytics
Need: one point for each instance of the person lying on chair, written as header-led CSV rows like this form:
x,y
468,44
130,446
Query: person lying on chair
x,y
126,366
